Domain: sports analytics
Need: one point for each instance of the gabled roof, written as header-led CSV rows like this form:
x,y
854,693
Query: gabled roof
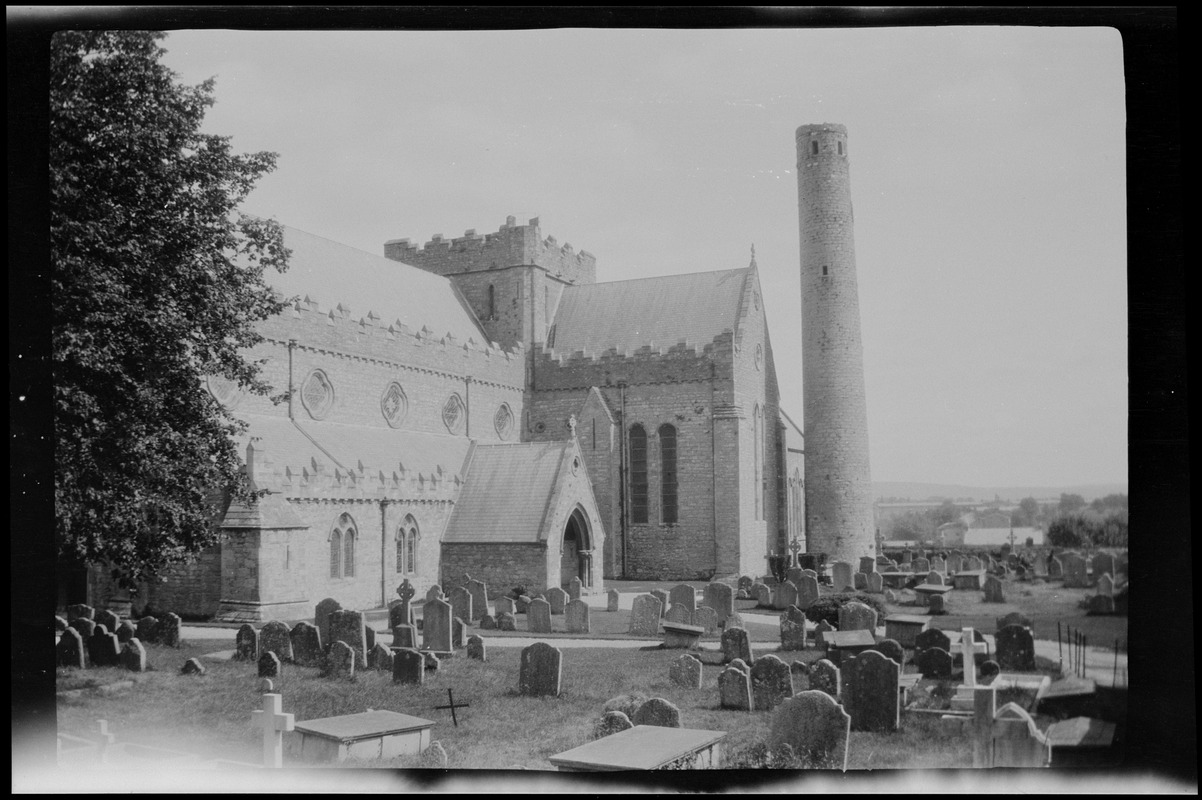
x,y
333,274
627,315
507,492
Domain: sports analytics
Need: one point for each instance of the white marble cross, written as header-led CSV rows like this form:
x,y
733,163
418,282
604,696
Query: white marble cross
x,y
274,723
968,649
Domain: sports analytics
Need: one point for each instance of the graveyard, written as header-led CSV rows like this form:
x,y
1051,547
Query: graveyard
x,y
538,682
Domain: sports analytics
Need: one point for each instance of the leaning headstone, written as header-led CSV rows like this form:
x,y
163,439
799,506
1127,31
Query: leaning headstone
x,y
736,644
575,615
80,611
993,590
734,687
870,692
126,631
193,667
575,588
612,600
108,619
558,600
815,728
645,614
148,630
349,627
379,658
934,662
611,722
461,603
436,626
891,649
70,650
856,616
719,597
321,616
246,644
659,712
824,677
458,633
1015,649
269,665
408,666
476,649
807,591
103,648
479,592
538,616
685,595
662,596
707,619
505,605
275,637
792,630
685,671
679,614
506,622
541,671
860,581
1074,571
841,576
771,683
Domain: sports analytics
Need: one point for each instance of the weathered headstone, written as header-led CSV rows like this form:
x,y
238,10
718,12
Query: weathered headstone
x,y
938,565
269,665
575,588
972,564
867,563
685,671
1105,585
435,593
108,619
408,666
193,667
405,636
870,692
436,626
1101,604
505,605
349,627
70,649
736,644
934,662
538,616
645,614
841,576
815,727
932,637
821,628
685,595
148,630
103,648
954,563
807,592
506,622
993,590
792,629
786,595
719,597
1013,618
612,600
734,687
762,595
1015,649
80,611
891,649
890,596
707,619
662,596
611,722
476,648
379,657
521,603
920,566
856,616
876,583
860,581
479,592
246,644
934,579
541,671
659,712
276,638
771,683
576,616
458,633
558,600
1055,568
431,661
169,628
824,677
488,623
680,614
935,605
461,603
126,631
321,616
1074,571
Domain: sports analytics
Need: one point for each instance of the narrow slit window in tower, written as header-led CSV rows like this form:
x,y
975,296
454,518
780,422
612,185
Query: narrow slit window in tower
x,y
824,270
840,148
814,148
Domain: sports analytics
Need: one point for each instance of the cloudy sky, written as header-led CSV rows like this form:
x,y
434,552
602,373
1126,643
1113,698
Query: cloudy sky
x,y
987,172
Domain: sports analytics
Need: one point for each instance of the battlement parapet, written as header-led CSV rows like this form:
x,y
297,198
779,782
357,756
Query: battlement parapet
x,y
512,246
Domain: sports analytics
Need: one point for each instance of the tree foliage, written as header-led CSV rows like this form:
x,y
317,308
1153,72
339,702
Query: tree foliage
x,y
157,284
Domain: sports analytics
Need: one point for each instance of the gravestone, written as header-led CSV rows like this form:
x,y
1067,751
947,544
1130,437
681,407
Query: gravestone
x,y
431,661
876,583
792,630
860,579
479,592
934,662
815,728
628,704
1120,566
954,563
575,588
1105,586
276,638
380,658
735,620
745,582
786,595
1015,741
269,665
521,603
934,579
461,603
476,648
801,676
1075,576
824,677
168,630
611,722
408,666
435,593
488,623
920,565
1055,568
890,596
907,557
436,626
706,619
891,649
972,564
108,619
867,564
855,616
662,596
870,692
807,591
541,671
538,616
506,622
793,573
576,616
771,683
736,644
60,624
505,605
658,712
348,626
126,631
80,611
103,648
246,644
1013,618
193,667
370,633
1015,649
458,633
405,636
841,576
993,590
685,671
990,669
679,614
321,617
821,628
1101,604
148,630
70,650
935,605
645,613
685,595
719,597
558,599
612,600
762,595
734,687
932,637
938,565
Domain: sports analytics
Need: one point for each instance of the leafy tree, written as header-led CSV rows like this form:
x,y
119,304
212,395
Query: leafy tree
x,y
1070,503
157,283
1028,511
1067,531
946,512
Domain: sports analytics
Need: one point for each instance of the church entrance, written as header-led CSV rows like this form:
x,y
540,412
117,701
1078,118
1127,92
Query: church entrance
x,y
576,551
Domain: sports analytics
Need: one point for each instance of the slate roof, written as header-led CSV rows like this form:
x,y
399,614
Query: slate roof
x,y
507,492
330,274
662,311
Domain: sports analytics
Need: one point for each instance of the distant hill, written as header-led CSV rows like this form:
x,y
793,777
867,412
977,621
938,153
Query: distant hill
x,y
922,491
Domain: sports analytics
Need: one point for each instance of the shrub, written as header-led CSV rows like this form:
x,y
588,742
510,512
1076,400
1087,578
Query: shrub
x,y
827,608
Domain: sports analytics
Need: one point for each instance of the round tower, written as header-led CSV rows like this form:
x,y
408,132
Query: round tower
x,y
838,483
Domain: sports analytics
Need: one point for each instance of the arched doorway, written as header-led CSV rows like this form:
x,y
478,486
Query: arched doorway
x,y
576,553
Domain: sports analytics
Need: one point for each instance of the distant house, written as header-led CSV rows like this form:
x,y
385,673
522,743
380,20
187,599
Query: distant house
x,y
985,528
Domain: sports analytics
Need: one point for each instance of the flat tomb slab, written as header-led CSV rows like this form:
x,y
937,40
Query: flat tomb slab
x,y
369,735
1081,732
642,747
1070,687
842,640
973,579
930,588
680,635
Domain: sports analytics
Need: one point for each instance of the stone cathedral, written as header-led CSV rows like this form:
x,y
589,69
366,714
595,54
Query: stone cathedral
x,y
484,405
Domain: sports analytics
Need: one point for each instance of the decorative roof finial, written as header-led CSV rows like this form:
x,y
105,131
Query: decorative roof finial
x,y
753,255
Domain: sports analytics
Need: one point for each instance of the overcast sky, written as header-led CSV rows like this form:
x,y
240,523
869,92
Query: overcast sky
x,y
987,173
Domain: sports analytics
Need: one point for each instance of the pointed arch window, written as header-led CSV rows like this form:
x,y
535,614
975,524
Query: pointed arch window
x,y
342,547
406,546
638,474
667,460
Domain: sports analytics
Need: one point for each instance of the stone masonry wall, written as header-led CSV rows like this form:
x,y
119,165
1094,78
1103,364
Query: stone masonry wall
x,y
502,567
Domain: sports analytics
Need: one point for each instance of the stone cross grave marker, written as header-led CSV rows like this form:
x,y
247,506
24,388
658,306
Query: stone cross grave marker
x,y
274,724
451,704
815,727
969,648
541,671
538,616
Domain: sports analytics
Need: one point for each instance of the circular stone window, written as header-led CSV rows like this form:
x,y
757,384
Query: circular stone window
x,y
394,405
503,421
224,391
454,414
759,356
317,394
